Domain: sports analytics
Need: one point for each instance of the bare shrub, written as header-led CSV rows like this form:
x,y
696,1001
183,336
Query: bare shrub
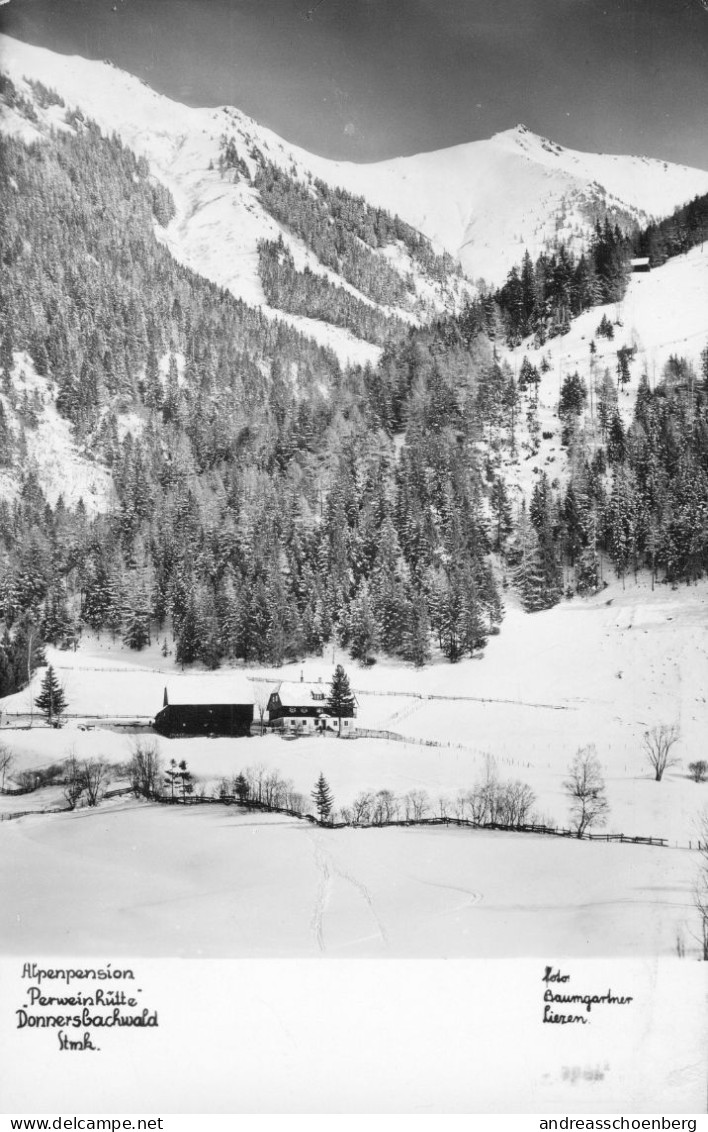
x,y
497,803
519,801
698,770
416,804
27,781
73,781
94,776
144,768
362,808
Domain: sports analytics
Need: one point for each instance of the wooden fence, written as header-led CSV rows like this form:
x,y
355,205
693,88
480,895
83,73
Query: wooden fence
x,y
10,815
399,823
404,823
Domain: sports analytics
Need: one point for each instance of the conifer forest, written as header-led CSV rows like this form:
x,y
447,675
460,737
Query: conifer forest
x,y
275,499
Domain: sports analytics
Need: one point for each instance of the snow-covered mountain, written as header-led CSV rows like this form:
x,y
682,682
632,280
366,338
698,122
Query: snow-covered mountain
x,y
483,203
220,214
487,201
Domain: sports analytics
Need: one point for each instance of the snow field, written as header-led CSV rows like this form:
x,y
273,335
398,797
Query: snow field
x,y
210,882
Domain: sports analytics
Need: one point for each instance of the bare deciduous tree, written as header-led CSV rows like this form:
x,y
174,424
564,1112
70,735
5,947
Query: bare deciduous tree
x,y
274,789
261,696
586,788
385,807
94,775
73,781
144,769
700,900
700,888
362,807
7,758
518,802
255,777
657,745
416,805
443,806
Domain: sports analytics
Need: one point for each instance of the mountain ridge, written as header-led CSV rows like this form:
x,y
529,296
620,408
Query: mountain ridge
x,y
483,202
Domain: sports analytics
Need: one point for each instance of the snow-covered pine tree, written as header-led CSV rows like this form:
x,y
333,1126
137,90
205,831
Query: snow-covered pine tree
x,y
528,574
363,635
51,700
188,634
340,701
416,640
322,797
136,633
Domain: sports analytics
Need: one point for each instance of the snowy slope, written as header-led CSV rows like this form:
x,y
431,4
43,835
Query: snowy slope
x,y
484,202
218,222
488,201
207,881
50,450
662,314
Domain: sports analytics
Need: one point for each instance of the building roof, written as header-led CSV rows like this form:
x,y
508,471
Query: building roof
x,y
209,688
296,693
641,261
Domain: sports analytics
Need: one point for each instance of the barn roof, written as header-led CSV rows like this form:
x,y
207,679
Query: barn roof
x,y
210,688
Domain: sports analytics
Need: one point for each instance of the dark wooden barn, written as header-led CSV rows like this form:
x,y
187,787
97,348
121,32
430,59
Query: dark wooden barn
x,y
206,706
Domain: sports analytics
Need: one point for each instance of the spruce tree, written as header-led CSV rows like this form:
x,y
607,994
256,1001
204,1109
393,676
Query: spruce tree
x,y
241,788
322,797
137,624
51,700
363,635
340,702
416,642
185,779
189,635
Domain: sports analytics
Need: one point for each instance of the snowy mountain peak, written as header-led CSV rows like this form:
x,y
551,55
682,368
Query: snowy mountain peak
x,y
523,139
483,202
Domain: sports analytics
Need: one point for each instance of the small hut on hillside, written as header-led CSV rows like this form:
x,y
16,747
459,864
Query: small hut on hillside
x,y
202,705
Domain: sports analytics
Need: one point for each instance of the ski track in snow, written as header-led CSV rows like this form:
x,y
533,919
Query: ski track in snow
x,y
328,869
322,896
475,897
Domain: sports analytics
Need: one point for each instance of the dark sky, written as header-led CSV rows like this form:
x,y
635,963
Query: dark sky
x,y
367,79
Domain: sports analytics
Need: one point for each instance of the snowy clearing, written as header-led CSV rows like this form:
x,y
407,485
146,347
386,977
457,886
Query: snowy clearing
x,y
209,882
